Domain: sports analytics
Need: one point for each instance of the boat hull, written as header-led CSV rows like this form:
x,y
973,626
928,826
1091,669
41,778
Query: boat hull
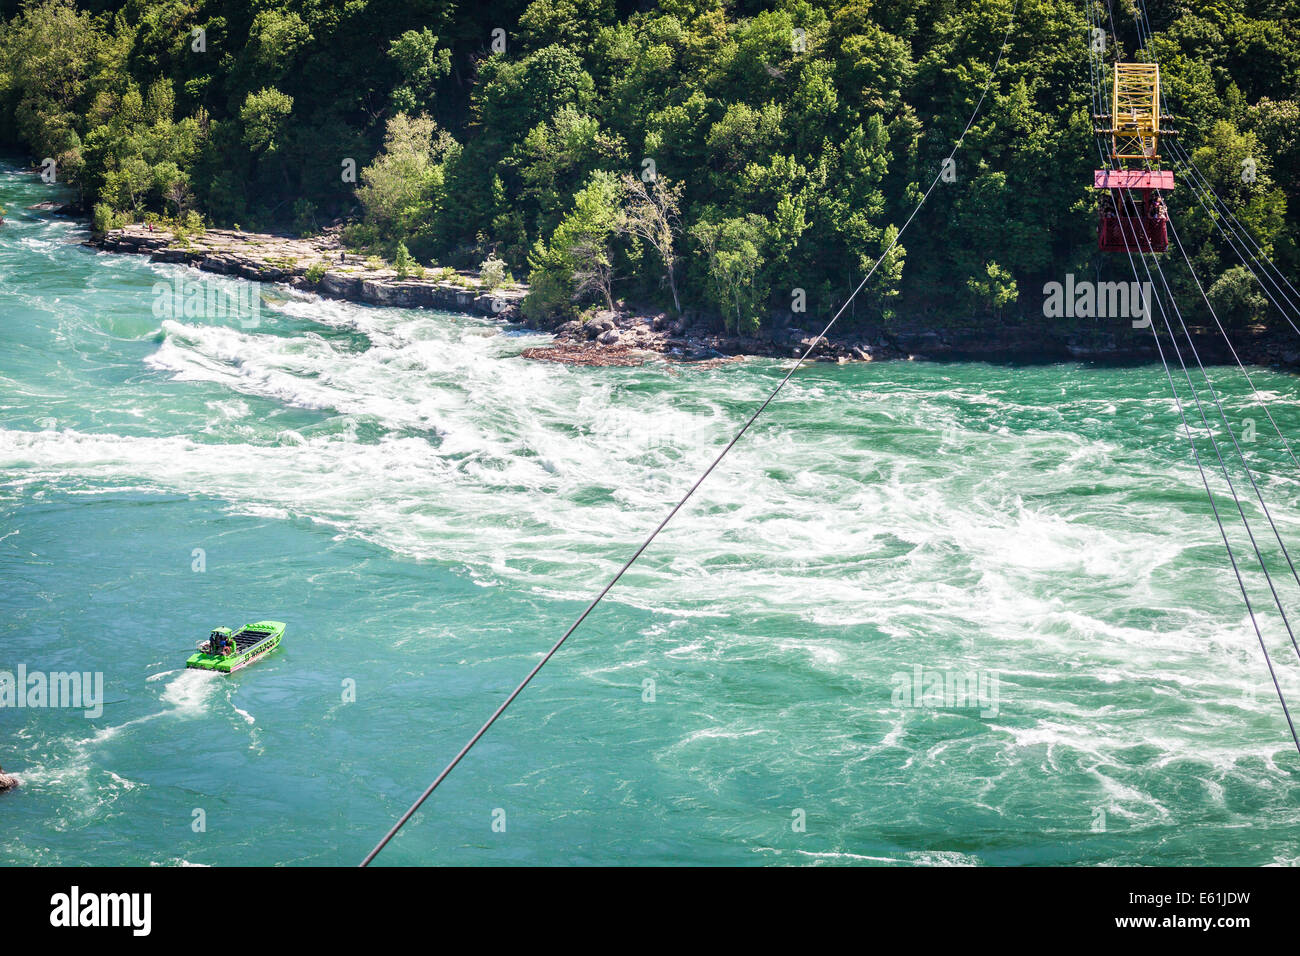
x,y
248,654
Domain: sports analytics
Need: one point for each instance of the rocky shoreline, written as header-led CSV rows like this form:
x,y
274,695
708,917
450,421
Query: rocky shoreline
x,y
617,338
342,274
629,337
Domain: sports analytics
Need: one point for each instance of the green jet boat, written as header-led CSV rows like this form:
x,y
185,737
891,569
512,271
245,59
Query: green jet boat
x,y
227,652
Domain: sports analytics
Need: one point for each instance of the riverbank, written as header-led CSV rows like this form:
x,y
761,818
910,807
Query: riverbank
x,y
627,336
317,264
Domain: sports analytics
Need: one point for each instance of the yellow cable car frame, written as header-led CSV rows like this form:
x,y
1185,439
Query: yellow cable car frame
x,y
1135,116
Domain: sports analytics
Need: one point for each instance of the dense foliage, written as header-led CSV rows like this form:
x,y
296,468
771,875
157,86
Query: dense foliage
x,y
746,158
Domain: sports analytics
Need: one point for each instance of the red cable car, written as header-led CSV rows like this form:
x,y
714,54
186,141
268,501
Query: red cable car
x,y
1133,214
1133,217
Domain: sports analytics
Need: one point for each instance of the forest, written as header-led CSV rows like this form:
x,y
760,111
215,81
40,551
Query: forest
x,y
747,159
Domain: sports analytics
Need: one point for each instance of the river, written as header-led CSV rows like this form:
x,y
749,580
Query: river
x,y
428,511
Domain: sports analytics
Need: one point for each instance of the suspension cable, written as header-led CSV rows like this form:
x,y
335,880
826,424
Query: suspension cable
x,y
1196,454
1173,302
1218,518
1002,49
1214,393
1201,184
1145,38
1234,239
1198,191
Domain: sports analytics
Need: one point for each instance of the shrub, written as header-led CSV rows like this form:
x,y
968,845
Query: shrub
x,y
191,224
304,217
492,273
1236,297
403,262
105,219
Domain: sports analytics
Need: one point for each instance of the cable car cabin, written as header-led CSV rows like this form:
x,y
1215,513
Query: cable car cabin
x,y
1133,217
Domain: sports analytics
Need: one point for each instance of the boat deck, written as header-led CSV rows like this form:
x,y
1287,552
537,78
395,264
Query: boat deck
x,y
246,639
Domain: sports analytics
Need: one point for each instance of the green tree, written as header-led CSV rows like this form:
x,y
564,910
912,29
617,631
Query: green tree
x,y
732,251
651,213
1237,298
422,65
995,289
264,116
402,189
576,260
49,72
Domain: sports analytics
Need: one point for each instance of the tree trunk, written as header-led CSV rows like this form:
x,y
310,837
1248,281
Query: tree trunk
x,y
672,285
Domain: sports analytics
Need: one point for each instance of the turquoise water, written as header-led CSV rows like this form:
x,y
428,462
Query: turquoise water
x,y
428,512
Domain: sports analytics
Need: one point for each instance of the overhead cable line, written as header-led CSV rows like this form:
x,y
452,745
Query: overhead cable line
x,y
1241,584
1214,394
1173,303
1202,186
1218,519
1209,431
1200,190
405,817
1144,35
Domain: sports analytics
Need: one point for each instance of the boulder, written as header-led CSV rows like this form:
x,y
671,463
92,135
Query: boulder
x,y
7,782
225,263
608,337
344,287
376,292
919,341
485,303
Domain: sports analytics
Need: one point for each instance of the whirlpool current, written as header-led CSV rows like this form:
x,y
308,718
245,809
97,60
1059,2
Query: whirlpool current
x,y
428,511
